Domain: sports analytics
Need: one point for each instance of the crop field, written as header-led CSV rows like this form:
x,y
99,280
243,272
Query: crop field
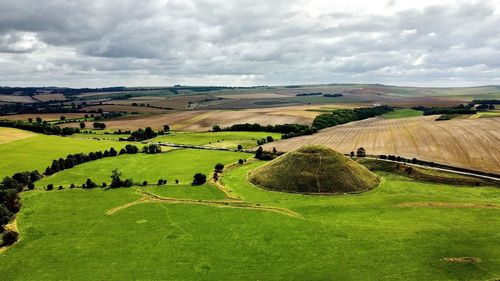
x,y
204,120
217,139
286,236
179,164
38,151
468,143
44,116
49,97
124,108
16,98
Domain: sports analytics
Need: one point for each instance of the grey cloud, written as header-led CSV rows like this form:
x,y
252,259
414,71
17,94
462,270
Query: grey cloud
x,y
257,42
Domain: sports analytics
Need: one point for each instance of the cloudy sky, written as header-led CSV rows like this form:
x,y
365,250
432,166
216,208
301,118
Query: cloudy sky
x,y
90,43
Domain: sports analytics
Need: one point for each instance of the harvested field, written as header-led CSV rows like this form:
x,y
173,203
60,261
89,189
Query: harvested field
x,y
253,96
203,120
44,116
124,108
467,143
15,98
9,134
49,97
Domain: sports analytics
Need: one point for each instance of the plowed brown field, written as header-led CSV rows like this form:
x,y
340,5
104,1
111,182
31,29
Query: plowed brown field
x,y
467,143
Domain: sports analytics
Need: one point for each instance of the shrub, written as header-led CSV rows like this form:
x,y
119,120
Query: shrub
x,y
219,167
199,179
90,184
72,185
361,152
240,161
104,184
144,183
216,128
60,187
50,186
176,181
9,238
5,216
128,183
240,147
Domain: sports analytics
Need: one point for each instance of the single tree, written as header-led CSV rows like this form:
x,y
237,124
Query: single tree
x,y
216,128
199,179
82,125
361,152
219,167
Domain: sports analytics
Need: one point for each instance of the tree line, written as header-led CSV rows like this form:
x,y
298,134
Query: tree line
x,y
460,109
39,127
343,116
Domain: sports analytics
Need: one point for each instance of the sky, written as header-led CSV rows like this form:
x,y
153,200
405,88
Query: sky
x,y
95,43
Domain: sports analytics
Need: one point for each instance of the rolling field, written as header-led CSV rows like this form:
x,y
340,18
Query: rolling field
x,y
10,134
452,235
179,164
38,151
217,139
203,120
403,113
44,116
467,143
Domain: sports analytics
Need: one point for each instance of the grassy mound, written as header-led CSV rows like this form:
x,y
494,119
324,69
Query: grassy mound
x,y
314,169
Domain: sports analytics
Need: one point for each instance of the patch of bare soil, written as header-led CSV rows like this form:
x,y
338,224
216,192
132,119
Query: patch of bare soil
x,y
463,260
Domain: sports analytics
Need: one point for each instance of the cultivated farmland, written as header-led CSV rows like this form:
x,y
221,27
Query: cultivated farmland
x,y
467,143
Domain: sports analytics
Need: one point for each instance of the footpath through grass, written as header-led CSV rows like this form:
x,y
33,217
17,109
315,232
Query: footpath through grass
x,y
370,236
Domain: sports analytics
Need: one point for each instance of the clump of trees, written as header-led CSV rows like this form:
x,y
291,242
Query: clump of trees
x,y
99,125
265,155
287,130
141,134
343,116
152,149
117,182
199,179
265,140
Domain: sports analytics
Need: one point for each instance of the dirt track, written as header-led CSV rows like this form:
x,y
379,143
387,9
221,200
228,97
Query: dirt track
x,y
467,143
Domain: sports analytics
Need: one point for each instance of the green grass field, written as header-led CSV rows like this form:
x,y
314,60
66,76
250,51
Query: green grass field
x,y
68,234
217,139
179,164
38,151
403,113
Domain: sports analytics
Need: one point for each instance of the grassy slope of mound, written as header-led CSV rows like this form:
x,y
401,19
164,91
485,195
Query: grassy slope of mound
x,y
314,169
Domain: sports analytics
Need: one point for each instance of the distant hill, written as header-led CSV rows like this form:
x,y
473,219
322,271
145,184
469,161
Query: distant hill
x,y
314,169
